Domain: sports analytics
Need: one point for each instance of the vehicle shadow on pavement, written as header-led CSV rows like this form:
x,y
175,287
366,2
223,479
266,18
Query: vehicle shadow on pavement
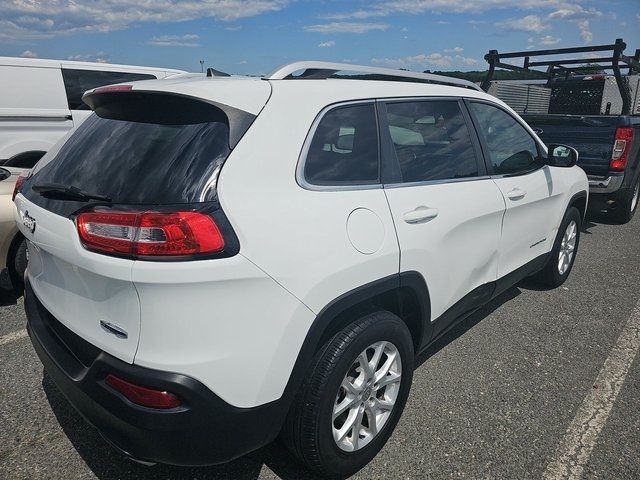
x,y
107,463
468,323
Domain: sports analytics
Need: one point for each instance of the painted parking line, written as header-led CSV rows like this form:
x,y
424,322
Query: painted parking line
x,y
577,444
13,337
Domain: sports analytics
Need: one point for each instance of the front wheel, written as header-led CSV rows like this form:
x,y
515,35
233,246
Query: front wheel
x,y
563,254
353,396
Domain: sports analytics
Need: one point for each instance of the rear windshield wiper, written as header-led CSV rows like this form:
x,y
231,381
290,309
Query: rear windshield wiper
x,y
67,192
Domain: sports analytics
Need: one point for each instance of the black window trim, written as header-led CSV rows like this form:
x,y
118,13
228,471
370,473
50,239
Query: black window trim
x,y
302,159
485,148
390,162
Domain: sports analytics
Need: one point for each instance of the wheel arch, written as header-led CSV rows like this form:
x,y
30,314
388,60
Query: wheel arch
x,y
25,159
579,201
405,295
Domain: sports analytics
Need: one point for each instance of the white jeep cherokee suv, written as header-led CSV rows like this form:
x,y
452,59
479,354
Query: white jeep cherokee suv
x,y
215,261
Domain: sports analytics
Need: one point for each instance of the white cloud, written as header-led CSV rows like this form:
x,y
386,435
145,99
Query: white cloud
x,y
454,50
443,22
549,40
22,20
346,27
574,12
188,40
383,8
585,31
100,57
29,54
233,28
530,23
329,43
424,60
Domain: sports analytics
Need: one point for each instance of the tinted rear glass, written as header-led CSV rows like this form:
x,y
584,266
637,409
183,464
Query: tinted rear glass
x,y
76,82
141,163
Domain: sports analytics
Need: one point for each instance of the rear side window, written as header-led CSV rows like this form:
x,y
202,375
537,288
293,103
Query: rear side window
x,y
344,148
76,82
431,141
511,148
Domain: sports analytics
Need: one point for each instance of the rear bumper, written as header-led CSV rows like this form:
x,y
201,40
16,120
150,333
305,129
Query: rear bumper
x,y
607,184
204,430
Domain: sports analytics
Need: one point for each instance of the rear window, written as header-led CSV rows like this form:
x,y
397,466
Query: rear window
x,y
76,82
141,163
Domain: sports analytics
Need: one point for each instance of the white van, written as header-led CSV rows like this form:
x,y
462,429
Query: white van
x,y
41,100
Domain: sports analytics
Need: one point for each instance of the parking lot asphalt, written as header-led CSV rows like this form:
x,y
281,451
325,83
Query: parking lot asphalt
x,y
496,398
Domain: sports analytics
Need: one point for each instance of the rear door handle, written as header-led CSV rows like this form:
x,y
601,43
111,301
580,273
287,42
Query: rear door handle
x,y
516,194
420,215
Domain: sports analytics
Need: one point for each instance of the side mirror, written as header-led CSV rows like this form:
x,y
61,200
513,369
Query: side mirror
x,y
4,174
562,156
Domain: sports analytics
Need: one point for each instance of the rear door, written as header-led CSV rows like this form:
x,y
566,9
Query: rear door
x,y
517,167
33,111
447,211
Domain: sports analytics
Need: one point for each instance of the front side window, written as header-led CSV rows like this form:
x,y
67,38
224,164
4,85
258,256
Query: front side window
x,y
431,141
344,148
76,82
511,148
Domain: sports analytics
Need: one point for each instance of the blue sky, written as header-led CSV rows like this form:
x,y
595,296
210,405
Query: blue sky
x,y
255,36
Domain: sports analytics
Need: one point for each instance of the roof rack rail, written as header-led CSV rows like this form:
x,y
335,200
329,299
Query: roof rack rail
x,y
563,68
323,70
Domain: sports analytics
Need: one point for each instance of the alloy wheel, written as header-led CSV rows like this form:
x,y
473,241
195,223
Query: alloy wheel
x,y
567,247
366,396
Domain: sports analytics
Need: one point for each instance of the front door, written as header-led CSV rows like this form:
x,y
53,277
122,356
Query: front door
x,y
447,211
517,167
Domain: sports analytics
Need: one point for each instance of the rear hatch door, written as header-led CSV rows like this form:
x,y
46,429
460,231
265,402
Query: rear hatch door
x,y
592,136
142,152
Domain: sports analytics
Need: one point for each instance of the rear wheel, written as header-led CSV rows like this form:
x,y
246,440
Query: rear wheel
x,y
353,397
563,254
627,204
17,263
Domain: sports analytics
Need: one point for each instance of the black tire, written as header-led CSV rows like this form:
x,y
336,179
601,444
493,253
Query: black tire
x,y
17,263
627,203
308,430
550,275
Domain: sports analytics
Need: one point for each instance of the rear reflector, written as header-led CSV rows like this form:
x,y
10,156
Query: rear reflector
x,y
621,148
147,397
149,234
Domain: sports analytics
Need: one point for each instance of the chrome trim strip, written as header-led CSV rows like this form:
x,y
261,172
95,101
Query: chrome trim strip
x,y
436,182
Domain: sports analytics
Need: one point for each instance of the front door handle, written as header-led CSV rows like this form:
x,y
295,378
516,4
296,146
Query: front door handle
x,y
516,194
420,215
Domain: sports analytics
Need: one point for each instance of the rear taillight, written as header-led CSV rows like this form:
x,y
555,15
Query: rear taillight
x,y
145,396
19,183
621,148
149,234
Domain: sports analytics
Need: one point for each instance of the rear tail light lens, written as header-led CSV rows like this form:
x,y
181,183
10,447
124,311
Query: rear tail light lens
x,y
19,183
145,396
149,234
621,148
